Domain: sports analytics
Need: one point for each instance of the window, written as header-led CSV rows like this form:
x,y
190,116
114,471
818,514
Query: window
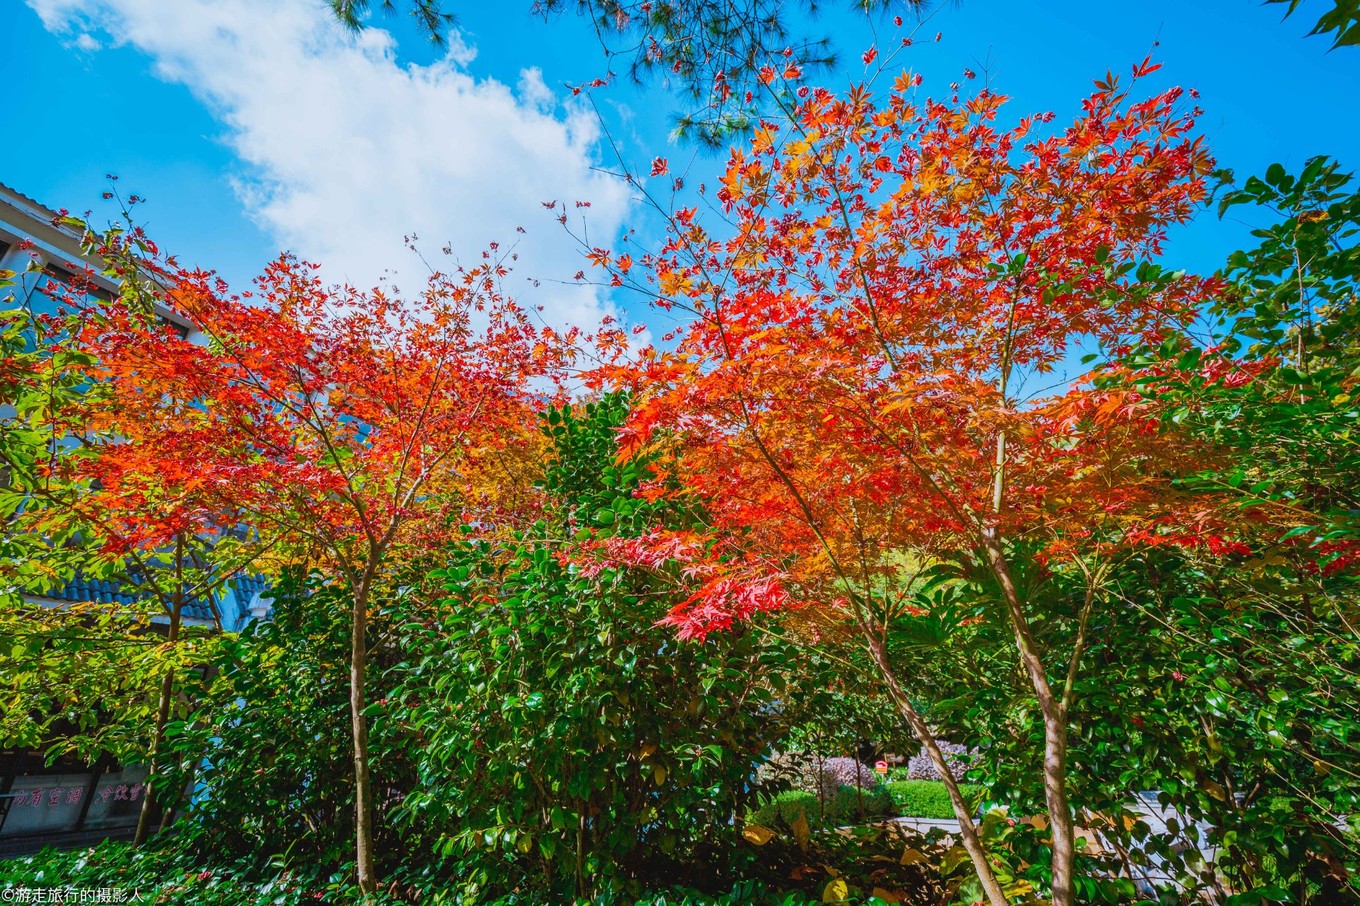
x,y
77,283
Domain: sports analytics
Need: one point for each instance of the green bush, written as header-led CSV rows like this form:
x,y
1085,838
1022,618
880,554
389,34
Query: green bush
x,y
269,751
929,798
151,875
784,808
567,745
850,805
172,875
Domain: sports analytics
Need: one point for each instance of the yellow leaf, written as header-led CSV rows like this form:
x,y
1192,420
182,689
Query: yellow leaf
x,y
886,896
757,834
801,832
912,856
674,283
835,891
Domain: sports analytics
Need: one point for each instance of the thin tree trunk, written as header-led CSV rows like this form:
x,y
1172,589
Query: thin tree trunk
x,y
147,816
363,788
1061,823
967,831
1062,827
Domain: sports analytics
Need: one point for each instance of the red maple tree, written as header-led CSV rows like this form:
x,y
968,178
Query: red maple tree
x,y
331,424
873,365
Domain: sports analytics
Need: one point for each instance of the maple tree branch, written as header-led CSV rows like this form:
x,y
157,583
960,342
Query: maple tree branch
x,y
971,841
44,491
410,444
1078,646
327,441
251,379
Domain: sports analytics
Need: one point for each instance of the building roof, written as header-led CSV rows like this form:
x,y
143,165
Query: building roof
x,y
10,195
105,591
233,603
25,218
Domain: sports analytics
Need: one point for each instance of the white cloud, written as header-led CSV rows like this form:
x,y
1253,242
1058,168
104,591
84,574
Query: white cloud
x,y
346,151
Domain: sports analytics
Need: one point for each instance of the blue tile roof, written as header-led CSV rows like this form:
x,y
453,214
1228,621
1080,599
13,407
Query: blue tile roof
x,y
247,587
234,603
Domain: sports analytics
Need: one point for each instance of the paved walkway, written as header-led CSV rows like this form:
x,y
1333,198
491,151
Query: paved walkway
x,y
1145,806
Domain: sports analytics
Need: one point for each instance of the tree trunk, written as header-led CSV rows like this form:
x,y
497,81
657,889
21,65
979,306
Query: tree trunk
x,y
971,842
1060,819
363,788
1062,827
147,816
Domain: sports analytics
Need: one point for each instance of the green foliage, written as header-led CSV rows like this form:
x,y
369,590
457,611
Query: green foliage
x,y
831,792
565,742
852,711
751,892
1239,709
1342,20
83,680
166,876
847,805
853,804
85,686
1293,328
1196,686
785,808
929,798
430,16
268,750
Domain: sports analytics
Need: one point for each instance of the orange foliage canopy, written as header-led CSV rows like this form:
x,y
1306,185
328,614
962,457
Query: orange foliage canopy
x,y
871,362
330,423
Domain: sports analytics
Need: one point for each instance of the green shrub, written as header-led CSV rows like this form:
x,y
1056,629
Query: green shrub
x,y
566,743
269,750
850,805
784,808
745,893
151,875
929,798
172,875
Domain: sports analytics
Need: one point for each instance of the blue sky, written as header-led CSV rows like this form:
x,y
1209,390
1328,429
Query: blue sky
x,y
258,125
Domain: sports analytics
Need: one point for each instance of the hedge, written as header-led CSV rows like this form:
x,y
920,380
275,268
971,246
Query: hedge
x,y
842,808
929,798
910,798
